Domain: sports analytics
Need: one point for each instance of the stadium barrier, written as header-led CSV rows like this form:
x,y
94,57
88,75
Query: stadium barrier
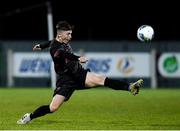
x,y
116,65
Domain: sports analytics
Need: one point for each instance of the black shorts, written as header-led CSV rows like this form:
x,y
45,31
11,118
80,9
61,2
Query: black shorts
x,y
68,83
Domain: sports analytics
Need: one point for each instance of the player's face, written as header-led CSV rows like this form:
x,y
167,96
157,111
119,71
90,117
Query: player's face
x,y
66,36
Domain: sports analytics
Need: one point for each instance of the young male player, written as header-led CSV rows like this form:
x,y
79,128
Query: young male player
x,y
71,75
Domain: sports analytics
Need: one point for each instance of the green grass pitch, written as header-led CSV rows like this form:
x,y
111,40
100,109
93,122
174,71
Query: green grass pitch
x,y
93,109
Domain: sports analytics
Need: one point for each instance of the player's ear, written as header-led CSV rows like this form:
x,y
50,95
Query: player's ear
x,y
59,35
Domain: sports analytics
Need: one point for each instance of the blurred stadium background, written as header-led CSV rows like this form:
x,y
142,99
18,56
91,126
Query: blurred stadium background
x,y
101,29
106,33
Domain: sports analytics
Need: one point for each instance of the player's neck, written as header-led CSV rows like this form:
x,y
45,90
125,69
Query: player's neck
x,y
60,40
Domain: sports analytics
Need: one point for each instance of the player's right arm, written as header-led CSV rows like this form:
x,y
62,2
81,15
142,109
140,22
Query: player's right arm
x,y
39,47
63,54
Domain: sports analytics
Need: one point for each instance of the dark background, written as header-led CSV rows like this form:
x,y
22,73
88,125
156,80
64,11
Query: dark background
x,y
93,20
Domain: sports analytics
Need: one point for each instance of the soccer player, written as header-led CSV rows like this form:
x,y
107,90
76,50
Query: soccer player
x,y
71,75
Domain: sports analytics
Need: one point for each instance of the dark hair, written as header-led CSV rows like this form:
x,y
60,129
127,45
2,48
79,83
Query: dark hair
x,y
64,25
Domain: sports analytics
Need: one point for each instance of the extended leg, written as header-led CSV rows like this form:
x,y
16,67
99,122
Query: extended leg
x,y
94,80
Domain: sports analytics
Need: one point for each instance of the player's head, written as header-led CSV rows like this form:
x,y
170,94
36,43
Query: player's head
x,y
64,26
64,31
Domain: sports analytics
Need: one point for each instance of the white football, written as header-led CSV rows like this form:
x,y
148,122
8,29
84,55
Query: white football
x,y
145,33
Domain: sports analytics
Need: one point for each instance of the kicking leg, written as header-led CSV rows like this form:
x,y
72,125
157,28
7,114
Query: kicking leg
x,y
93,80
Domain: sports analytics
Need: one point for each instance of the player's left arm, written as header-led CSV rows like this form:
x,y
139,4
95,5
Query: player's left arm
x,y
39,47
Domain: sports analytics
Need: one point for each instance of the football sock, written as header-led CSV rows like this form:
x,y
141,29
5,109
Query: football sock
x,y
116,84
41,111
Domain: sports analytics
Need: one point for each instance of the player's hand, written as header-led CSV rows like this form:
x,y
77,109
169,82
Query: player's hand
x,y
83,59
37,47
